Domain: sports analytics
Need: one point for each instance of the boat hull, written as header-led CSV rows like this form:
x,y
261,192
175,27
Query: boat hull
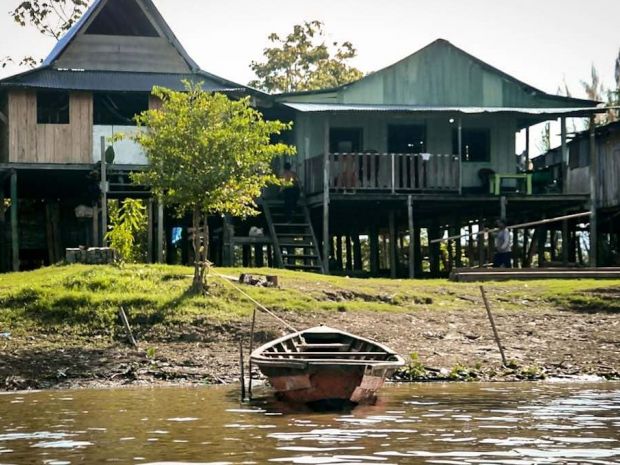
x,y
356,384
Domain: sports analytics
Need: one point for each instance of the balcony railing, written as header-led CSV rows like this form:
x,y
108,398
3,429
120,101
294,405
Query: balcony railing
x,y
385,172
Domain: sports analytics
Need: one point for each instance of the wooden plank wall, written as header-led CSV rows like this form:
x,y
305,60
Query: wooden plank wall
x,y
4,131
30,142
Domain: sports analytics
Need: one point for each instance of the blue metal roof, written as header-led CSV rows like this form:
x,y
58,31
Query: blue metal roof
x,y
112,81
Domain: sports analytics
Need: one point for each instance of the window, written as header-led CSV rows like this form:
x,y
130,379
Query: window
x,y
476,144
52,108
406,138
118,108
345,140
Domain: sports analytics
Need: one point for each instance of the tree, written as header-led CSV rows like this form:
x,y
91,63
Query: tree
x,y
128,224
207,154
50,17
595,90
303,61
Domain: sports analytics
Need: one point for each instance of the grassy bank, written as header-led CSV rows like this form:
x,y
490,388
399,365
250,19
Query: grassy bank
x,y
86,299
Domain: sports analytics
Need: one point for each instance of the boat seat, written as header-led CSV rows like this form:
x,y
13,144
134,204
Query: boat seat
x,y
335,345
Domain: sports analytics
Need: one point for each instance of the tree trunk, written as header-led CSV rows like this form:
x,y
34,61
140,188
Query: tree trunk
x,y
201,247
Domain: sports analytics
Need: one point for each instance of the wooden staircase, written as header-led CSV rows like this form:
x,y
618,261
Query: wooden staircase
x,y
295,245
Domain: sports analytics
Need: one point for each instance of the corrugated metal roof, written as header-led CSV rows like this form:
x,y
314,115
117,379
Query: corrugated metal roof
x,y
110,81
339,107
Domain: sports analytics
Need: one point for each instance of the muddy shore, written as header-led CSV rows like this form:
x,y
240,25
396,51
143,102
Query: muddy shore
x,y
446,345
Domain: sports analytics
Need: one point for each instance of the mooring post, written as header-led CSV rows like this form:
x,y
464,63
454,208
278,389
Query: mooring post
x,y
251,350
495,334
241,371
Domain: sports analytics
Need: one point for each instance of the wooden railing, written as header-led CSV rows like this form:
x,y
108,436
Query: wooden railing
x,y
391,172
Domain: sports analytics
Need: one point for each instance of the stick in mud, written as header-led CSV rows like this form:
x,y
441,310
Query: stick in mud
x,y
490,315
241,372
251,350
127,327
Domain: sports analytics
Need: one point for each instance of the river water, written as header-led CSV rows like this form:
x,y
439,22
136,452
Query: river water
x,y
516,424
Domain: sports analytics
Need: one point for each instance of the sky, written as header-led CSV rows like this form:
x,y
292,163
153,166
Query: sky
x,y
541,42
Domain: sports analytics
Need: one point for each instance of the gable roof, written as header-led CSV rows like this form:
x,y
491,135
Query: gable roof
x,y
96,8
439,74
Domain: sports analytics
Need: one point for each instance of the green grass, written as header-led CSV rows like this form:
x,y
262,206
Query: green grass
x,y
86,299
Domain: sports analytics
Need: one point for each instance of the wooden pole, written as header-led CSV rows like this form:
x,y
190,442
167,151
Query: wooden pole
x,y
95,241
495,334
527,149
349,262
593,196
565,243
411,237
251,350
130,337
241,371
502,207
339,260
460,142
104,195
14,224
374,249
326,176
357,253
564,155
160,231
481,236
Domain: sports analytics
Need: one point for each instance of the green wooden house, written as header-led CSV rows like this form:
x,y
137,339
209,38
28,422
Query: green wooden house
x,y
428,142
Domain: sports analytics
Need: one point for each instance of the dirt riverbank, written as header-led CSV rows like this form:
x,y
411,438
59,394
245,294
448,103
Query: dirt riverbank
x,y
455,344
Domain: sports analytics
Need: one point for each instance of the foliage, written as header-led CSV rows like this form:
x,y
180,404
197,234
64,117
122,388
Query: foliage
x,y
207,154
50,17
128,223
415,368
303,61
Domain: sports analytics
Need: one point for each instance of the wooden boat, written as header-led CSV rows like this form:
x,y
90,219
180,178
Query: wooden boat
x,y
326,365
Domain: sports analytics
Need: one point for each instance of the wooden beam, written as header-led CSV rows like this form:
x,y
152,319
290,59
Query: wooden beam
x,y
593,196
357,253
411,237
14,223
502,207
326,195
3,118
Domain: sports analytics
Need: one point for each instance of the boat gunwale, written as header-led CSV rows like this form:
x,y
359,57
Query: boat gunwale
x,y
257,355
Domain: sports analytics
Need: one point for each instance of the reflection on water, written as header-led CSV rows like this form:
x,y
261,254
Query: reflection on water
x,y
512,424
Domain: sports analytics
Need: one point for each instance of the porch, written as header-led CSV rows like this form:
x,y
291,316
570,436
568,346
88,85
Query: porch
x,y
383,172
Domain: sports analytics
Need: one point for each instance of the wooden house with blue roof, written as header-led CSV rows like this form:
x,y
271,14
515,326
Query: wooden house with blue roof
x,y
52,119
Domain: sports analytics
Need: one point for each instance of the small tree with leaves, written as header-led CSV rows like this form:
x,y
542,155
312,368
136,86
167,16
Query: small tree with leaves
x,y
303,61
207,154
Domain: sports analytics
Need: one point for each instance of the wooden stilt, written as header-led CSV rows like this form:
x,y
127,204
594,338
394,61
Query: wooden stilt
x,y
412,254
339,261
160,231
104,195
470,245
374,249
14,223
458,246
95,226
357,253
349,257
433,231
481,246
593,196
542,240
326,183
393,251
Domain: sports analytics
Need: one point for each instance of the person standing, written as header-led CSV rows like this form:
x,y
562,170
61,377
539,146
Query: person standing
x,y
503,247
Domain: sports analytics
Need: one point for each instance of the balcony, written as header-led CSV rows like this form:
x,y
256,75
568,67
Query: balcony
x,y
383,172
